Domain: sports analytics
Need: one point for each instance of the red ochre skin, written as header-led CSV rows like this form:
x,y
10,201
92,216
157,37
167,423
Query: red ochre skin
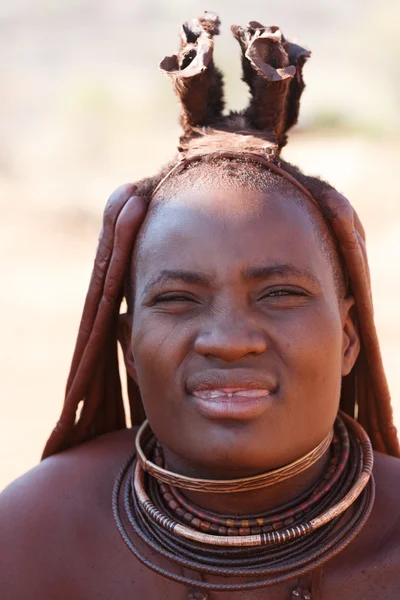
x,y
58,538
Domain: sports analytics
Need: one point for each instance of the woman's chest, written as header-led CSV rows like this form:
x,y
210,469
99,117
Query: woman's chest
x,y
123,577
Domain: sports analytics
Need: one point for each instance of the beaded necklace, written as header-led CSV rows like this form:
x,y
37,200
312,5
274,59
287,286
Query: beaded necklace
x,y
264,522
266,558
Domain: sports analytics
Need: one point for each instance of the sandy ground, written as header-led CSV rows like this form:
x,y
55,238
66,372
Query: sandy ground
x,y
47,254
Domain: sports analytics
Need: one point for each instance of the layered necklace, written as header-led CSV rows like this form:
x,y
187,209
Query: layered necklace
x,y
266,548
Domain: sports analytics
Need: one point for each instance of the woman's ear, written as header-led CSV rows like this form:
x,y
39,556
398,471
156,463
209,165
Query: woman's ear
x,y
124,338
351,338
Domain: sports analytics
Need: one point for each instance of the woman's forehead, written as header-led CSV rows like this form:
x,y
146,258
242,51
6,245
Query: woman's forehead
x,y
231,206
227,229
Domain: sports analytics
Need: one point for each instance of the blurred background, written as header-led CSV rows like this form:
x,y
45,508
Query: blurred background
x,y
83,108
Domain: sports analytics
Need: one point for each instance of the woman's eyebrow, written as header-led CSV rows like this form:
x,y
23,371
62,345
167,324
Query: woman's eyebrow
x,y
266,272
176,275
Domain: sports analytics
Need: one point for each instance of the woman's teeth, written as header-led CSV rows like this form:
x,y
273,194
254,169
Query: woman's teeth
x,y
230,393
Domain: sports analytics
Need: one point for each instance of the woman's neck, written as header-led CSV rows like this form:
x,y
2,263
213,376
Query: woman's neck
x,y
251,502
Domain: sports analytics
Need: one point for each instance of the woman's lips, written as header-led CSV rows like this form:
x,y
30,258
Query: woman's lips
x,y
230,393
232,403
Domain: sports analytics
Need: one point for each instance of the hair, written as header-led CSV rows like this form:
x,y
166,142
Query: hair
x,y
211,145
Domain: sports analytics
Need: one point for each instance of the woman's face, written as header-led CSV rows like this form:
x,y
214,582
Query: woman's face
x,y
239,338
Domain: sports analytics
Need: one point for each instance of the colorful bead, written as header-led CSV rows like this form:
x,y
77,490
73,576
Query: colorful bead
x,y
255,530
214,529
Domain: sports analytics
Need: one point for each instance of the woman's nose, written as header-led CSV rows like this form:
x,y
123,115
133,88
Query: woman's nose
x,y
231,341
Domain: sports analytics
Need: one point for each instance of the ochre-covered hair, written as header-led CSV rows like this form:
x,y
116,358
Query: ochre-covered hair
x,y
272,67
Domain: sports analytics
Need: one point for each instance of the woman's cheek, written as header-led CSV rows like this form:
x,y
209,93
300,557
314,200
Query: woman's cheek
x,y
156,350
312,345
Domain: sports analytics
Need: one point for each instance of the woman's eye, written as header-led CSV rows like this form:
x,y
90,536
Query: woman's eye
x,y
173,298
283,292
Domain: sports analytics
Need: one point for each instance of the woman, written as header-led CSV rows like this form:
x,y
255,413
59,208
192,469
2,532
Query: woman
x,y
249,345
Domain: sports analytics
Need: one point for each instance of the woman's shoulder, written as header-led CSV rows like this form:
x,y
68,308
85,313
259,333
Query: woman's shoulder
x,y
50,515
382,531
370,566
385,517
387,481
77,469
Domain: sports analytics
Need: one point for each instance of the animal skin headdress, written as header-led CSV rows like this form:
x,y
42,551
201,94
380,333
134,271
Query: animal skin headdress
x,y
272,68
